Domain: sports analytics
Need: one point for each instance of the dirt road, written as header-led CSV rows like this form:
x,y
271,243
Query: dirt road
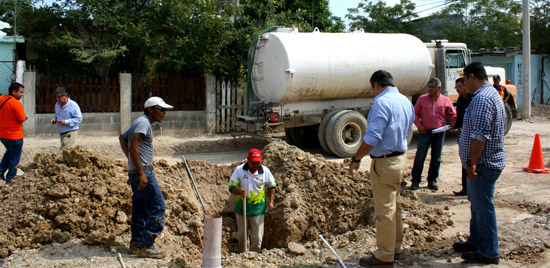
x,y
521,198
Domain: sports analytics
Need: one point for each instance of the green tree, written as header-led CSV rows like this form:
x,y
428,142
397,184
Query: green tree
x,y
540,26
145,37
377,17
482,23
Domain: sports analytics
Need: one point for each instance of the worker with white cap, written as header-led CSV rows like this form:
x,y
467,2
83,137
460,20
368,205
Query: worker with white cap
x,y
147,201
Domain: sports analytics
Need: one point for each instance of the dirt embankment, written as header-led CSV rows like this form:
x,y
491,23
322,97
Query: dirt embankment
x,y
82,195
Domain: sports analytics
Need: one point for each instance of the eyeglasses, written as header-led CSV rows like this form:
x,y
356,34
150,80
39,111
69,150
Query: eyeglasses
x,y
159,108
255,163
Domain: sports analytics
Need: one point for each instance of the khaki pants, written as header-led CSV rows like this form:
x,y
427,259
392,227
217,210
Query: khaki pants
x,y
68,139
255,226
386,175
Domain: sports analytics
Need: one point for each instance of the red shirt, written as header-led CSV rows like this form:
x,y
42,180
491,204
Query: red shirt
x,y
431,113
11,118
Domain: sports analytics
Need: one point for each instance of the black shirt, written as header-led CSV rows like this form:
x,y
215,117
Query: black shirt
x,y
461,104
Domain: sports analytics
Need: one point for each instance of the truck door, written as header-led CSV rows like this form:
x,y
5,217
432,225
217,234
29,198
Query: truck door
x,y
455,61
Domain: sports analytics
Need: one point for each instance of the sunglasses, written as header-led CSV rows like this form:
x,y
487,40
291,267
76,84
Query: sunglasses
x,y
255,163
159,108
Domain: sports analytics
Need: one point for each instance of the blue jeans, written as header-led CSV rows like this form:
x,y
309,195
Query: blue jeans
x,y
483,224
425,140
464,180
147,210
11,158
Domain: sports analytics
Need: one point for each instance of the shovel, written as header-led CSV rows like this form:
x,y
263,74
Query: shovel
x,y
194,184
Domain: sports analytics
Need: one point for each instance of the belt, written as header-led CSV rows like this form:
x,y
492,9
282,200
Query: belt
x,y
133,171
392,154
67,132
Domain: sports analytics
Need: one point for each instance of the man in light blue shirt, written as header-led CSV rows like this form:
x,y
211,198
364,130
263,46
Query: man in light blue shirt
x,y
389,122
67,117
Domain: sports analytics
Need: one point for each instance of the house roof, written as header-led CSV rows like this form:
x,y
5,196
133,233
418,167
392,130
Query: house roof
x,y
9,39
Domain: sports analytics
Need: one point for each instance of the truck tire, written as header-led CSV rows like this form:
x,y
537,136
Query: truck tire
x,y
288,137
321,134
304,137
509,118
345,133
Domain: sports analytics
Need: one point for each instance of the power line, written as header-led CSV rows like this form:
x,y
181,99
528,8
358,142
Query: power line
x,y
428,9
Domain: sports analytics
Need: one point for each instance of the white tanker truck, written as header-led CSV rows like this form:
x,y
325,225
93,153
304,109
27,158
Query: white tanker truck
x,y
316,85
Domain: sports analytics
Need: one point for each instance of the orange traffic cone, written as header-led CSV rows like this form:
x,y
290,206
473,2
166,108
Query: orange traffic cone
x,y
536,164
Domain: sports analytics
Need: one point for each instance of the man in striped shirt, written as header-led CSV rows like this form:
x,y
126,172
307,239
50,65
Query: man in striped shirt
x,y
481,148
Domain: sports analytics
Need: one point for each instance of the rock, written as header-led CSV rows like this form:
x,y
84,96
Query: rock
x,y
331,259
121,217
296,248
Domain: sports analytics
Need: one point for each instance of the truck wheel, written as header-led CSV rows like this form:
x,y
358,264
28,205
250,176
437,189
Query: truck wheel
x,y
345,133
322,133
304,137
508,112
288,137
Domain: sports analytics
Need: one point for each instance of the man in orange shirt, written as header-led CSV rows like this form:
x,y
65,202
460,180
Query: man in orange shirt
x,y
12,117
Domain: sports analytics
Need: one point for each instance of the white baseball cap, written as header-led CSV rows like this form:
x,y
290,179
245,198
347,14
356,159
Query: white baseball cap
x,y
156,101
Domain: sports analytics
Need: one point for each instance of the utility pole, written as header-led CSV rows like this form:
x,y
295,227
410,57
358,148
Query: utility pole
x,y
15,39
526,109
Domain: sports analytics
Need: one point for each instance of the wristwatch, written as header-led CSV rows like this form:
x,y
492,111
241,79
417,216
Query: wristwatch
x,y
355,160
470,163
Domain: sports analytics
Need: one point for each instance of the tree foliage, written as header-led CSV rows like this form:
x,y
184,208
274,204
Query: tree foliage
x,y
540,26
479,23
380,18
147,37
482,23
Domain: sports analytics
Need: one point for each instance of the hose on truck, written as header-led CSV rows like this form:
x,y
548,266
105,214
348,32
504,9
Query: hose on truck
x,y
250,62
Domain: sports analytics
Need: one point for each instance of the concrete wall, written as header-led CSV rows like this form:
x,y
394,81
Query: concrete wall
x,y
108,124
174,123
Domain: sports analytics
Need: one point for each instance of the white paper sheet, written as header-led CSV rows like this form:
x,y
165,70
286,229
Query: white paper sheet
x,y
441,129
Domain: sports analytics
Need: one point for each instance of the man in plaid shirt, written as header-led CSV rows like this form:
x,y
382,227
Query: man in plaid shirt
x,y
481,148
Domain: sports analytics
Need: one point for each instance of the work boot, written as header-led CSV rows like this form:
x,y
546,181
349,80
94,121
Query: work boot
x,y
474,257
415,186
372,261
461,193
153,252
433,186
464,247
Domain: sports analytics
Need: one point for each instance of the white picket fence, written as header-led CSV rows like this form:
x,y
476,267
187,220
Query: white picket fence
x,y
229,104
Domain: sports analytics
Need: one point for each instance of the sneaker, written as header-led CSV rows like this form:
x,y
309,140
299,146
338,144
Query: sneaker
x,y
433,186
474,257
153,252
415,186
464,247
371,261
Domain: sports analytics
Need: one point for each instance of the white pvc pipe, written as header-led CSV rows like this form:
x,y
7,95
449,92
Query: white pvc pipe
x,y
212,253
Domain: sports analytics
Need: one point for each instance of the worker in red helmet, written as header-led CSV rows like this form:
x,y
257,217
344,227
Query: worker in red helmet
x,y
249,183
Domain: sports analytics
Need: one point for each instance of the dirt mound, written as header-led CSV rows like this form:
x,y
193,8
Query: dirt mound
x,y
85,196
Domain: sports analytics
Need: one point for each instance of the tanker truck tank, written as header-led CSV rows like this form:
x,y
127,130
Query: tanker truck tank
x,y
293,67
